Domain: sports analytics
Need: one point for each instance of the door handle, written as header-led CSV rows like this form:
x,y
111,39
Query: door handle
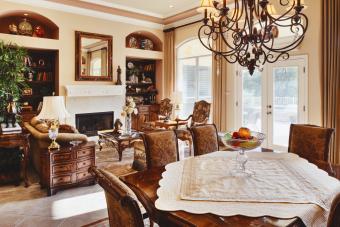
x,y
268,113
269,106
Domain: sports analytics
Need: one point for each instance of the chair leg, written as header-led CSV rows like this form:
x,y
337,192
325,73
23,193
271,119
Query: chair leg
x,y
190,147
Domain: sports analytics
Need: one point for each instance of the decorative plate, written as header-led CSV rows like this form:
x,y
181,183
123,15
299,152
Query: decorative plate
x,y
133,43
147,44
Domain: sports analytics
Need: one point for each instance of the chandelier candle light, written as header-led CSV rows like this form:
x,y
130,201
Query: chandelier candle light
x,y
248,30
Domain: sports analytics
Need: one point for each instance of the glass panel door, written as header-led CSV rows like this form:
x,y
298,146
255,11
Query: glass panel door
x,y
252,100
272,100
286,100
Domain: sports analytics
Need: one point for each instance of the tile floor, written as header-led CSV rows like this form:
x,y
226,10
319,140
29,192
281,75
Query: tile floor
x,y
73,207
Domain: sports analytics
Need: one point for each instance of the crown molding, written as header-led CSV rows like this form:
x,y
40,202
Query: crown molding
x,y
88,12
108,12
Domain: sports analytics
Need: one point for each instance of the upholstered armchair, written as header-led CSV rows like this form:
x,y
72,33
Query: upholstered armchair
x,y
200,116
310,142
165,111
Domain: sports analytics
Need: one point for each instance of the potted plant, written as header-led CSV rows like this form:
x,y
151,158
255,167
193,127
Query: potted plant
x,y
12,69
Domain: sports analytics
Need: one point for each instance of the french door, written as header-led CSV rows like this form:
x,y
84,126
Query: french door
x,y
271,100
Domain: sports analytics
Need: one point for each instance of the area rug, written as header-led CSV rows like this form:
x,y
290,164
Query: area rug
x,y
107,159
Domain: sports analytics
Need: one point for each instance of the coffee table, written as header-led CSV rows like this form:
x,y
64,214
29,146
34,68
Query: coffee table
x,y
118,141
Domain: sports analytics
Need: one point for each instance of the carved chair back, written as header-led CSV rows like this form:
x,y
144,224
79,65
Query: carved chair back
x,y
161,148
201,113
165,107
122,206
205,139
310,142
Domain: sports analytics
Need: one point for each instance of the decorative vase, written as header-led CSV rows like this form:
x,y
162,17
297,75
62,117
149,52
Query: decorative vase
x,y
39,31
13,29
128,124
25,28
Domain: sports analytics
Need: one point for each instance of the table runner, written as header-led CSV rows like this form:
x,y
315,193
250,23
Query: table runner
x,y
169,193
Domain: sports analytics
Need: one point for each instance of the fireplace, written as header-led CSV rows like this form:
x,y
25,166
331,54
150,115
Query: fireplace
x,y
90,123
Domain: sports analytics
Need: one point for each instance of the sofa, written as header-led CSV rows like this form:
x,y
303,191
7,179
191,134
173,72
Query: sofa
x,y
39,140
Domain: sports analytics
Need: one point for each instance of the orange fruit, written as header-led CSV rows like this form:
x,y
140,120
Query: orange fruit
x,y
244,133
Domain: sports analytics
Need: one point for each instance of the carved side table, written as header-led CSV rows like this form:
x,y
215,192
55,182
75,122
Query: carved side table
x,y
21,141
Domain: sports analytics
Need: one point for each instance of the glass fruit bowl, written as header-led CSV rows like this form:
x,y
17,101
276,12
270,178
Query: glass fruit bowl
x,y
254,141
243,140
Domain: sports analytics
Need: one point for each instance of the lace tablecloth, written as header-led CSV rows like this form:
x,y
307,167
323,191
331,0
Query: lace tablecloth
x,y
284,186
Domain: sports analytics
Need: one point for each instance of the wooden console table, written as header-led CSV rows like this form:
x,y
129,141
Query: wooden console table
x,y
18,140
67,167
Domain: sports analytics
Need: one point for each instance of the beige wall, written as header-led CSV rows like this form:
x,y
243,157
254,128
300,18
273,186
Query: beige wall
x,y
68,23
311,47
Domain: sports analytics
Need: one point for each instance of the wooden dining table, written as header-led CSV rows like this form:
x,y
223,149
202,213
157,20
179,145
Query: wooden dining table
x,y
145,184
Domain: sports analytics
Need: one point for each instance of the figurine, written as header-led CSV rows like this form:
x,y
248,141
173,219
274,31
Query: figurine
x,y
119,72
118,126
11,111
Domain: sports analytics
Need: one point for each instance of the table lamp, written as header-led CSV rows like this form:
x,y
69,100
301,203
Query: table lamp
x,y
177,98
52,112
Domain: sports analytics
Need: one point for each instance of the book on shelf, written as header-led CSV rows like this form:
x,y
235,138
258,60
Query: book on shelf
x,y
11,132
10,129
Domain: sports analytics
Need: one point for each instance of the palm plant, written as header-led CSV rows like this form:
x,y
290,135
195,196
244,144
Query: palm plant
x,y
12,69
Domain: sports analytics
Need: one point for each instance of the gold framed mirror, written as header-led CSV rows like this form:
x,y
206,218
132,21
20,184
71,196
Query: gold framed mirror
x,y
93,57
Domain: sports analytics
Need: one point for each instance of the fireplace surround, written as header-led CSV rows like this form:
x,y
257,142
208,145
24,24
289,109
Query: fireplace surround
x,y
90,123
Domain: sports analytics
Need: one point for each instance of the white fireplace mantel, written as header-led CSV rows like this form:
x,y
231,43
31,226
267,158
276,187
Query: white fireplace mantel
x,y
94,90
93,99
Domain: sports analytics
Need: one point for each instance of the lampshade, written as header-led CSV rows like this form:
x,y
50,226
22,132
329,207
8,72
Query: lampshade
x,y
53,109
177,97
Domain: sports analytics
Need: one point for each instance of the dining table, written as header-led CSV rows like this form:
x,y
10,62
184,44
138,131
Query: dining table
x,y
146,186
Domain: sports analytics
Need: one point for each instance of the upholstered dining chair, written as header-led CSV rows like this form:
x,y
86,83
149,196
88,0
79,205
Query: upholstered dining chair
x,y
310,141
122,205
205,139
161,148
334,214
199,116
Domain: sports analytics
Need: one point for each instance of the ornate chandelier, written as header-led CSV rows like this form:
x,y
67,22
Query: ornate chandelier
x,y
249,30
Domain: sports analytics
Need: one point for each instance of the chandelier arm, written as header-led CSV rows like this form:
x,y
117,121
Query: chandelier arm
x,y
284,56
283,15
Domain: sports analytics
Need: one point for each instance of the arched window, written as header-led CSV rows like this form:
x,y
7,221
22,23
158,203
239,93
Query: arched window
x,y
194,74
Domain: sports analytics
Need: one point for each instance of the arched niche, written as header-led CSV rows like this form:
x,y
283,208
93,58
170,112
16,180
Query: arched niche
x,y
141,35
35,19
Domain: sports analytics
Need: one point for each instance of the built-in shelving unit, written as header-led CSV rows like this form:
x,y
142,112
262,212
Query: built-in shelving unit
x,y
42,79
141,80
139,39
51,30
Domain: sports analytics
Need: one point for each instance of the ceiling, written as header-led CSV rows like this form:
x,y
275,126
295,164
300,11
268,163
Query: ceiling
x,y
156,8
